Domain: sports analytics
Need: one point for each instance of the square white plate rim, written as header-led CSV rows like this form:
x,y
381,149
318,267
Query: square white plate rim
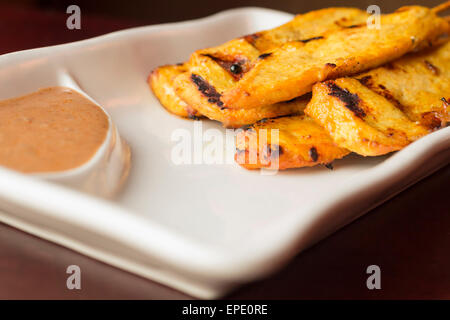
x,y
152,251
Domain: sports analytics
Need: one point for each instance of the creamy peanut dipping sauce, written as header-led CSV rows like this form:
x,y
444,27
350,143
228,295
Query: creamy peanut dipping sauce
x,y
53,129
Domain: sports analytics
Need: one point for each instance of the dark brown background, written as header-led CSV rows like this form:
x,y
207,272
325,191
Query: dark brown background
x,y
408,237
174,10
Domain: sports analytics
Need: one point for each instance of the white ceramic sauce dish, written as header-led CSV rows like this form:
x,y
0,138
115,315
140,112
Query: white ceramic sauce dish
x,y
202,229
105,173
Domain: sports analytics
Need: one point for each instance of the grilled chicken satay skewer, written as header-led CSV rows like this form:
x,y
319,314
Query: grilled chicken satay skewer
x,y
220,67
373,113
386,108
291,69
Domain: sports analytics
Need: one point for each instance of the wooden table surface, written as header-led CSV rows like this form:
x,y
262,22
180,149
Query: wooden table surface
x,y
408,237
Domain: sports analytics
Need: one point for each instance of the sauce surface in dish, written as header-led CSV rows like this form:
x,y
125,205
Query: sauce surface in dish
x,y
53,129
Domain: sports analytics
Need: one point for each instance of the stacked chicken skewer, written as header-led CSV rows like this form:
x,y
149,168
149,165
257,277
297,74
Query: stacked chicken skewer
x,y
327,81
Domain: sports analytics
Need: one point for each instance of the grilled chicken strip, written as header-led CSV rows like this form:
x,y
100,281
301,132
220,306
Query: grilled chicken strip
x,y
301,143
291,69
386,108
161,82
192,88
230,61
361,120
418,84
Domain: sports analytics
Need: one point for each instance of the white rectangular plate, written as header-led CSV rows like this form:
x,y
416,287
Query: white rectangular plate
x,y
204,228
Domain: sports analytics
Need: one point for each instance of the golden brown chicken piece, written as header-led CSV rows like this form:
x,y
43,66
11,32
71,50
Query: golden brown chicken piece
x,y
361,120
301,143
241,52
418,84
230,61
306,26
234,57
161,82
194,89
291,69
